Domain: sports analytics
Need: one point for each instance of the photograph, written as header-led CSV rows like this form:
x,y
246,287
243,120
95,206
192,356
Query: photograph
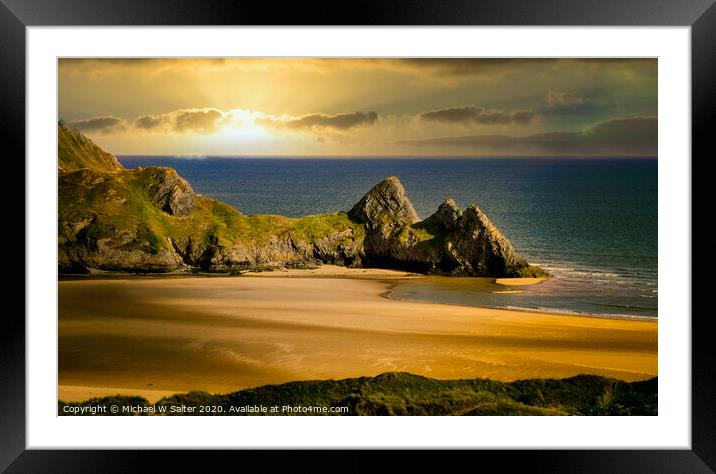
x,y
357,236
304,236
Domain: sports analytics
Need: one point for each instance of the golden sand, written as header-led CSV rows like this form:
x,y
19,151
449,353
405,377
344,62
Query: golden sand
x,y
519,281
164,335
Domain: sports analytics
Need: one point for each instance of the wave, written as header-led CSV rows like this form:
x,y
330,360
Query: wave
x,y
641,280
624,306
568,312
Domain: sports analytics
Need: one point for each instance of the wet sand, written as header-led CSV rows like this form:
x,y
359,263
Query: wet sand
x,y
154,336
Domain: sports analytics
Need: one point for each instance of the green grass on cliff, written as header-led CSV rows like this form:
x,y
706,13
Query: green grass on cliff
x,y
426,238
530,271
96,189
314,227
120,201
75,151
399,393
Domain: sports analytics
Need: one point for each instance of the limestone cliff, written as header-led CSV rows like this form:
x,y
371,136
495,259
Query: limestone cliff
x,y
449,241
168,191
388,217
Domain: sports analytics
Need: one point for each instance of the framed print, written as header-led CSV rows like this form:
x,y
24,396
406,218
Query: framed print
x,y
451,226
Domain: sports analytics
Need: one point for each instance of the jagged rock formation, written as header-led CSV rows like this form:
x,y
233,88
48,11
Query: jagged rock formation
x,y
169,191
388,217
385,205
478,248
444,220
150,220
449,241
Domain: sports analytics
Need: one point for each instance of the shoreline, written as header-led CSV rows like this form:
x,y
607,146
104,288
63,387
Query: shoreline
x,y
222,335
388,276
320,271
552,312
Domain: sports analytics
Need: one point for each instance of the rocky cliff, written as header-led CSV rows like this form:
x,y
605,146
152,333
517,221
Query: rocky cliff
x,y
449,241
151,220
168,191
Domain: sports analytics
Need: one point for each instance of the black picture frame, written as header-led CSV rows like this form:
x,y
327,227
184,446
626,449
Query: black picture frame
x,y
17,15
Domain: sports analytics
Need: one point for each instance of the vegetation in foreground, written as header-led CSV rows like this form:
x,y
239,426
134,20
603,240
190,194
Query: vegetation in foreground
x,y
400,393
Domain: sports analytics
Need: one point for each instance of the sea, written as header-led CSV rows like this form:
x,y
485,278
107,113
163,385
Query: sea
x,y
590,222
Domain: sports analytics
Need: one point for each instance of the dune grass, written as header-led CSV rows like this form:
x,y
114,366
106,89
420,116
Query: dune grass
x,y
399,393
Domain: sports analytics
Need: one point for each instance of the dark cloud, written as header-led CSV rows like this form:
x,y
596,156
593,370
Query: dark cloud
x,y
150,122
523,117
623,136
103,124
323,121
464,68
205,120
571,104
198,120
114,65
461,66
561,99
477,114
495,67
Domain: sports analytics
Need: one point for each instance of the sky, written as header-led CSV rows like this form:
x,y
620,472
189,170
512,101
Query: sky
x,y
363,106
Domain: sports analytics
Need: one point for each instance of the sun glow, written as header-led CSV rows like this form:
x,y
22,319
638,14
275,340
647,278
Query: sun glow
x,y
369,106
242,128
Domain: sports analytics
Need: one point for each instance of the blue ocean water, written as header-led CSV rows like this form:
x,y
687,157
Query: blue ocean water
x,y
592,223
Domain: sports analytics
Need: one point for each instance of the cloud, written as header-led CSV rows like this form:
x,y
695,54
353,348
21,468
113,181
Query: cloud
x,y
101,67
570,104
454,68
206,120
102,124
201,120
321,121
477,114
523,117
620,136
560,99
150,122
495,68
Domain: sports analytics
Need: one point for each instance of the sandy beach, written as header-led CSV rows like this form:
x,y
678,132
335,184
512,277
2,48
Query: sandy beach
x,y
161,335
